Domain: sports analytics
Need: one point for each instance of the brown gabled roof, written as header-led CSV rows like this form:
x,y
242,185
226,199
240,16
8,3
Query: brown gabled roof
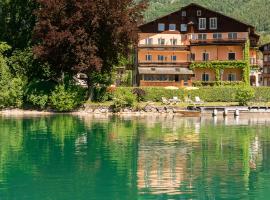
x,y
194,4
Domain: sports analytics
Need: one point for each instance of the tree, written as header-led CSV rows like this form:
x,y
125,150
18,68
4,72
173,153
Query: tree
x,y
86,36
17,22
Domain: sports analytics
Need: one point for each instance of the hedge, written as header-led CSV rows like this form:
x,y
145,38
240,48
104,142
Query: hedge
x,y
207,94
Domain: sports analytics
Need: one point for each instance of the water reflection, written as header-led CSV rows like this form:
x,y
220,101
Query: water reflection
x,y
150,157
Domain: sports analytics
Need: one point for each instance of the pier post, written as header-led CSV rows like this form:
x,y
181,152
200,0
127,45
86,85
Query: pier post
x,y
237,113
225,114
215,112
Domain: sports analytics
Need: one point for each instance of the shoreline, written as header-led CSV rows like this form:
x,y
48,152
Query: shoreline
x,y
22,112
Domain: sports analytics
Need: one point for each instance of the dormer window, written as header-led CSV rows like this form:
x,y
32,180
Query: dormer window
x,y
172,27
213,23
161,27
184,13
199,13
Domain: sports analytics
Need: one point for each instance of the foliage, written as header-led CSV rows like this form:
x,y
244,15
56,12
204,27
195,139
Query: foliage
x,y
221,65
38,93
22,63
217,83
11,88
140,94
123,97
244,95
86,36
17,22
67,97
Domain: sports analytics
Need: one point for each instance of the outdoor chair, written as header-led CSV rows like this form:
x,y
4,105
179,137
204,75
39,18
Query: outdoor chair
x,y
175,100
198,100
165,101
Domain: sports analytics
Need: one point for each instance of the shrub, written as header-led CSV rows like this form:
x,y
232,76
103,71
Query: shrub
x,y
156,93
38,92
67,97
123,97
244,95
11,88
140,94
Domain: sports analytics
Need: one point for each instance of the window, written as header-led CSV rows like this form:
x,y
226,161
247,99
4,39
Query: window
x,y
202,36
149,41
213,23
232,35
184,13
148,57
160,58
161,41
205,77
202,23
231,56
231,77
172,27
205,56
265,47
217,36
192,57
173,58
161,27
183,27
173,41
199,13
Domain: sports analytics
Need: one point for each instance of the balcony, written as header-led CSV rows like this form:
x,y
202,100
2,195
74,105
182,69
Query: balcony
x,y
182,63
164,46
217,41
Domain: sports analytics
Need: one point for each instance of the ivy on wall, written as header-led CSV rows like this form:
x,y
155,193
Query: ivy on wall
x,y
217,66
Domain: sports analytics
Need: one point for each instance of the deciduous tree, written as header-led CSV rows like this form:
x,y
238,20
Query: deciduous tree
x,y
86,35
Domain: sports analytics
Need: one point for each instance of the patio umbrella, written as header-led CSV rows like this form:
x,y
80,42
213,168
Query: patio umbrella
x,y
171,88
191,88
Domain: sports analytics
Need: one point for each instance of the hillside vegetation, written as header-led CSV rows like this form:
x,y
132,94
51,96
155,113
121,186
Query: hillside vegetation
x,y
254,12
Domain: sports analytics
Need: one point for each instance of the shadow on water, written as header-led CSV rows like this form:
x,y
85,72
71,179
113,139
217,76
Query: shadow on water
x,y
150,157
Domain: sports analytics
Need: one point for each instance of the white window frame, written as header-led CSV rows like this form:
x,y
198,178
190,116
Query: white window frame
x,y
173,56
202,24
172,40
203,56
199,13
184,13
149,41
148,57
161,56
218,34
202,34
232,34
159,41
232,53
204,75
161,27
232,75
213,23
172,27
183,27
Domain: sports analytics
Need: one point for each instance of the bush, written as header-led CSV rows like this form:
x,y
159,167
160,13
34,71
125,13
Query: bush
x,y
38,92
140,94
156,93
67,97
123,97
244,95
11,88
217,83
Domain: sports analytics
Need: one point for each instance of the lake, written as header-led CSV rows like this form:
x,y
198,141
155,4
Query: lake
x,y
152,157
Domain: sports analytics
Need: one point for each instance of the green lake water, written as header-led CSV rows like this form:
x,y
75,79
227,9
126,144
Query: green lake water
x,y
124,158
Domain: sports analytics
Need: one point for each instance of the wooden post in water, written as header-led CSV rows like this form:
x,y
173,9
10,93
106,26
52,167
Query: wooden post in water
x,y
225,114
215,112
237,113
